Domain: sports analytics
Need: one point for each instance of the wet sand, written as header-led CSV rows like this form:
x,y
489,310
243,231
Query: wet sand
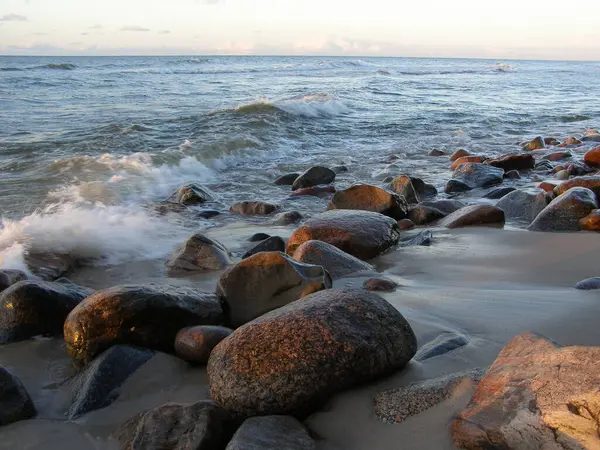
x,y
489,284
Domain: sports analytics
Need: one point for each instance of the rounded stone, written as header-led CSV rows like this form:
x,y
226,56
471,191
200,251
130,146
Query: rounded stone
x,y
365,197
195,344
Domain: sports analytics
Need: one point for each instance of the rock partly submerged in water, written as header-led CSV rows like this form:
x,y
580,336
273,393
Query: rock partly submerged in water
x,y
466,159
478,175
514,161
442,344
271,433
148,316
474,215
459,154
413,189
592,157
363,234
194,344
379,285
314,176
565,211
191,194
365,197
31,308
9,277
455,186
271,244
589,284
591,222
266,281
589,182
522,205
287,179
15,403
423,214
49,266
535,144
198,254
536,395
253,208
294,358
287,218
336,262
499,192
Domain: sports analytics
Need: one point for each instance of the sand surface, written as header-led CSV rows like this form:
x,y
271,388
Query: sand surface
x,y
489,284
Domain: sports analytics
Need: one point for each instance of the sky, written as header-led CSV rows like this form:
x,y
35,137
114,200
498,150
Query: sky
x,y
519,29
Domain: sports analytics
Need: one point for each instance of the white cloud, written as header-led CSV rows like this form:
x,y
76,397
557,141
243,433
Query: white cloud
x,y
13,18
164,32
134,28
96,27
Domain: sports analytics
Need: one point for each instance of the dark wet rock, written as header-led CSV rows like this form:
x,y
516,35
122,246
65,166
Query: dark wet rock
x,y
406,224
591,222
315,191
293,359
253,208
592,157
500,192
459,154
515,161
551,141
258,237
444,343
271,433
512,175
148,316
191,194
97,386
425,237
266,281
287,179
32,308
363,234
589,182
422,214
446,206
201,426
391,170
379,285
336,262
466,159
49,266
543,165
557,156
397,405
287,218
403,186
271,244
15,403
545,186
571,140
591,138
589,284
454,186
436,152
535,144
388,179
523,206
339,169
199,254
314,176
536,395
478,175
475,215
365,197
576,169
207,213
10,277
565,211
194,344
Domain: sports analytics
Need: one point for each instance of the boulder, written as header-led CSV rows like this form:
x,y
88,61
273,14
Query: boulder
x,y
422,214
31,308
535,144
546,186
557,156
314,191
97,386
267,281
478,175
551,141
592,158
543,165
253,208
436,152
512,175
403,186
194,344
199,254
589,182
379,285
287,179
406,224
48,266
466,159
591,138
446,206
454,186
565,211
365,197
256,237
336,262
10,277
591,222
536,395
442,344
191,194
562,175
271,433
148,316
571,140
397,405
15,403
474,215
514,161
287,218
499,192
589,284
293,359
271,244
523,206
313,177
458,154
363,234
200,426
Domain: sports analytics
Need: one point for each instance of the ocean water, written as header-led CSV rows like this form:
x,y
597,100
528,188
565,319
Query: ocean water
x,y
90,145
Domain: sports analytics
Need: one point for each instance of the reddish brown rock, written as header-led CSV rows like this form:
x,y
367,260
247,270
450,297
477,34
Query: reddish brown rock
x,y
589,182
315,191
557,156
459,154
478,175
474,215
365,197
591,222
551,141
515,161
535,144
336,262
253,208
380,285
536,395
565,211
363,234
466,159
548,187
406,224
592,158
402,185
572,141
194,344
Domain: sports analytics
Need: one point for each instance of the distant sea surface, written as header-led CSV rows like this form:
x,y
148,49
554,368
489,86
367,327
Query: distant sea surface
x,y
89,145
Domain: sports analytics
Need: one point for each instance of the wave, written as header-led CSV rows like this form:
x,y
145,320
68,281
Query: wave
x,y
63,66
502,67
574,118
11,69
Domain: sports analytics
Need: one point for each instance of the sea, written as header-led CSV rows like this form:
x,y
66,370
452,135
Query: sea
x,y
89,146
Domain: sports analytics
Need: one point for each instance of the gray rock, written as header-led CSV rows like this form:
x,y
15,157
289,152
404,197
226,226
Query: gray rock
x,y
455,186
199,254
436,152
523,206
591,138
499,192
589,182
444,343
49,266
194,344
564,212
402,185
474,215
512,175
207,213
335,261
287,179
445,206
10,277
589,284
271,244
253,208
339,169
271,433
478,175
544,165
191,194
425,237
287,218
15,403
258,237
422,214
313,177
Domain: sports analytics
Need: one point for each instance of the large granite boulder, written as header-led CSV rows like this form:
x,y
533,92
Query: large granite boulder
x,y
314,176
589,182
523,206
370,198
199,254
253,208
148,316
363,234
194,344
15,403
565,211
478,175
291,360
474,215
10,277
32,308
266,281
592,157
191,194
536,395
336,262
402,185
591,222
271,433
515,161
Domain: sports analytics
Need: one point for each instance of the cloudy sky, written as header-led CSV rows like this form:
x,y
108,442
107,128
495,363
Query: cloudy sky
x,y
537,29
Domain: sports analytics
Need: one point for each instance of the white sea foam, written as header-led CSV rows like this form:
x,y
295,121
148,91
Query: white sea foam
x,y
312,105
